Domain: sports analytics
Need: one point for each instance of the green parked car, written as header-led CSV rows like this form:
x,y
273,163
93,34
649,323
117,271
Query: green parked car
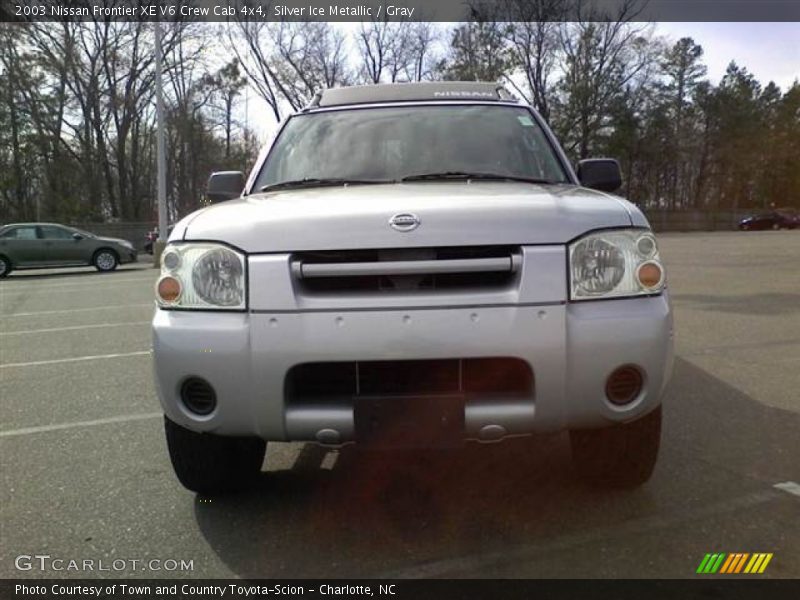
x,y
48,245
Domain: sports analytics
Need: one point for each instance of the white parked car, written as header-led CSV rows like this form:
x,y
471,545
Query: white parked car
x,y
412,265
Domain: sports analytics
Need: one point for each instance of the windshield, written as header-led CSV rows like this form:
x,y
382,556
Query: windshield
x,y
392,143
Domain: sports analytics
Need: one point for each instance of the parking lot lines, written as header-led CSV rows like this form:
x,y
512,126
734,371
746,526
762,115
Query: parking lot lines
x,y
790,487
38,363
26,286
60,426
72,310
73,328
647,525
84,445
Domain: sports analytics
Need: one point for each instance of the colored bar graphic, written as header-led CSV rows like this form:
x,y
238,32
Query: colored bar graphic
x,y
734,563
741,562
703,563
764,564
728,563
752,563
716,563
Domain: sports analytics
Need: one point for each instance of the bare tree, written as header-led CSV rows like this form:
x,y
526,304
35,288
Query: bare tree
x,y
77,117
225,86
599,60
420,39
533,37
290,61
308,57
387,52
251,43
478,48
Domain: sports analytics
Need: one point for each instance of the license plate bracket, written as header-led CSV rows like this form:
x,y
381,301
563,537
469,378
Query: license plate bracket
x,y
409,421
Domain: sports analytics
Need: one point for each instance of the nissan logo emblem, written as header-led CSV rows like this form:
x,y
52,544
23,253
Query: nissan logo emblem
x,y
404,222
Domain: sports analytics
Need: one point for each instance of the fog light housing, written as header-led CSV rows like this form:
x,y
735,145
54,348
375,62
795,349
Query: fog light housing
x,y
624,385
198,396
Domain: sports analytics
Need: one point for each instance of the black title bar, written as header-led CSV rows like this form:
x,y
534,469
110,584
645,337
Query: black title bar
x,y
732,588
400,10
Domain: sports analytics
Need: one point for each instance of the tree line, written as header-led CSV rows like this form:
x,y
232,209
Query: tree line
x,y
77,118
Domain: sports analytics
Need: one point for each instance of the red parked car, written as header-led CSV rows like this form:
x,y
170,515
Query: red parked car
x,y
782,218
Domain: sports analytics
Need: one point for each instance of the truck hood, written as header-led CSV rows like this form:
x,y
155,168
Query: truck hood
x,y
450,214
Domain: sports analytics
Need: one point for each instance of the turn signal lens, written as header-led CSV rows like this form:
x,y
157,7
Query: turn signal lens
x,y
650,275
168,289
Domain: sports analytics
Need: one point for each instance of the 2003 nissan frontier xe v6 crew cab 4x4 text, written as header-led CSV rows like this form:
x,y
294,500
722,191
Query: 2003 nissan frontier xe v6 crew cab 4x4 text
x,y
412,265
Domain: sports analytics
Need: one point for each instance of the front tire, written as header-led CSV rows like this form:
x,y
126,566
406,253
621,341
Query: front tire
x,y
5,267
105,260
211,464
620,456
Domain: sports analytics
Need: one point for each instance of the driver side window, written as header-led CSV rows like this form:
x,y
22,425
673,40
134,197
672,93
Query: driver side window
x,y
55,233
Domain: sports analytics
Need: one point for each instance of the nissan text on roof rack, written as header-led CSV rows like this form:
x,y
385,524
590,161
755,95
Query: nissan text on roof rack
x,y
412,265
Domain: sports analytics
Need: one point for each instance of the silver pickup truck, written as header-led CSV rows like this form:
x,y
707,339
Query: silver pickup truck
x,y
412,265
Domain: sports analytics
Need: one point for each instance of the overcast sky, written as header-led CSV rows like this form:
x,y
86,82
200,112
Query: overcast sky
x,y
770,51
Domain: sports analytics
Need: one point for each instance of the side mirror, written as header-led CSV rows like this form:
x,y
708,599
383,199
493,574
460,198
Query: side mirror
x,y
225,185
77,237
600,174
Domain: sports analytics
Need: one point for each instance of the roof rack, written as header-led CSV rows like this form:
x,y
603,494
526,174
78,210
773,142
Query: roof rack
x,y
410,92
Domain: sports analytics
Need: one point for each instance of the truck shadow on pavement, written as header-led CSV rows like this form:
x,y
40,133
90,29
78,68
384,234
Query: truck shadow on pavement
x,y
516,509
745,304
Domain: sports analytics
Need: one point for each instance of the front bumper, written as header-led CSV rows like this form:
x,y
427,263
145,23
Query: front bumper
x,y
571,348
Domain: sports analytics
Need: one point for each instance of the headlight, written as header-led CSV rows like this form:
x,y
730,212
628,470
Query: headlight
x,y
611,264
126,244
201,276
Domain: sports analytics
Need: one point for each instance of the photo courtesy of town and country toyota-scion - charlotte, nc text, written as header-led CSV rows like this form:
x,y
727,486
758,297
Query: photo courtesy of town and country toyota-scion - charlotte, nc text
x,y
280,11
188,589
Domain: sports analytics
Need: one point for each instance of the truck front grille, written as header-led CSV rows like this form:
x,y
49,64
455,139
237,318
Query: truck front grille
x,y
407,269
473,377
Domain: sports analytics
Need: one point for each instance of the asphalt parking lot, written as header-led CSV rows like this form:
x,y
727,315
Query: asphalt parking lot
x,y
85,472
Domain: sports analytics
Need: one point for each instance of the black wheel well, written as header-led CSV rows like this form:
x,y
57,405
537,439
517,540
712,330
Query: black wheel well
x,y
5,258
109,249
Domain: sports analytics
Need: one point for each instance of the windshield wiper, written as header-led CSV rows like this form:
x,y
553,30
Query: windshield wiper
x,y
444,175
319,182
